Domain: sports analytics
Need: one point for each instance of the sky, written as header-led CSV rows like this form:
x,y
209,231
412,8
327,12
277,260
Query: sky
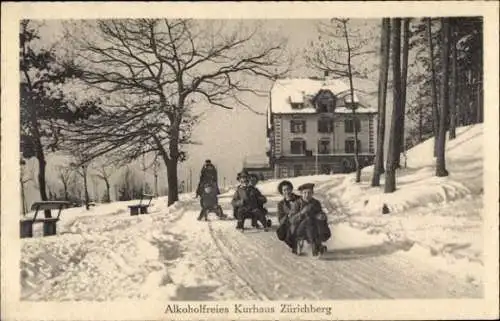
x,y
227,137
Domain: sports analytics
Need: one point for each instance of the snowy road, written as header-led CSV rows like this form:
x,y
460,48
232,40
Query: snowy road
x,y
171,256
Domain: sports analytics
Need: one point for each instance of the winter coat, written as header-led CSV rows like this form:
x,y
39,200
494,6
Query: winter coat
x,y
285,207
311,210
208,175
248,198
209,200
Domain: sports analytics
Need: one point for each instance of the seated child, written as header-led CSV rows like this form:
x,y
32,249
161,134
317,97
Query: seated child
x,y
309,220
247,202
209,202
261,199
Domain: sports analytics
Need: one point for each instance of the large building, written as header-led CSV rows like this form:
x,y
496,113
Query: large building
x,y
310,128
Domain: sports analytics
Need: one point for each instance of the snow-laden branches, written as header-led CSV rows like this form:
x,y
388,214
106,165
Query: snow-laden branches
x,y
329,52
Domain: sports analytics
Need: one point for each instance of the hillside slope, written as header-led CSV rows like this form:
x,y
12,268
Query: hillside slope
x,y
443,216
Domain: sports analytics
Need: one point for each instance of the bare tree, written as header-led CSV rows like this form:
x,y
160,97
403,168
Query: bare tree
x,y
453,91
81,167
25,177
161,69
404,75
103,172
64,174
441,139
393,153
435,108
156,167
43,102
385,43
337,58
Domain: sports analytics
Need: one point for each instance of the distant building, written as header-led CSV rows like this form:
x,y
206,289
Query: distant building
x,y
259,165
310,128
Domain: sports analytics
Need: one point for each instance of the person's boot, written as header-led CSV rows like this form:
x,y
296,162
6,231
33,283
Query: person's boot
x,y
295,247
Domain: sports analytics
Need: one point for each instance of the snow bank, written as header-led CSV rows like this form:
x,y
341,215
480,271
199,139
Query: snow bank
x,y
101,254
442,216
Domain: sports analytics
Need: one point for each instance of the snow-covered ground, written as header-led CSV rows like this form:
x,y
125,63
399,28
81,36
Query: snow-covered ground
x,y
442,216
429,246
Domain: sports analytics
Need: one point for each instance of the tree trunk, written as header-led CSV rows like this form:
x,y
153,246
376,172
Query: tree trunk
x,y
65,186
382,98
173,189
435,110
349,69
453,92
42,184
84,172
108,190
156,185
420,124
393,153
479,97
404,73
445,58
23,198
171,165
41,179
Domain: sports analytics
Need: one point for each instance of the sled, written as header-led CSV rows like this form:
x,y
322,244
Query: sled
x,y
300,248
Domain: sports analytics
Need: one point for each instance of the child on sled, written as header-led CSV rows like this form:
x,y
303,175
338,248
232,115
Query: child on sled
x,y
209,203
247,202
309,222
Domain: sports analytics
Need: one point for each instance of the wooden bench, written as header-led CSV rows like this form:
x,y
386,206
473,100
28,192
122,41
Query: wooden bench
x,y
49,223
141,207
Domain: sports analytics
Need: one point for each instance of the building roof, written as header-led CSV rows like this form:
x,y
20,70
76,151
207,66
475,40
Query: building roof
x,y
285,91
256,161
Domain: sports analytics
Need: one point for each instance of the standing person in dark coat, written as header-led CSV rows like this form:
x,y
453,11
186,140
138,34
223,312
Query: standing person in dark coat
x,y
209,202
208,174
286,207
309,219
246,201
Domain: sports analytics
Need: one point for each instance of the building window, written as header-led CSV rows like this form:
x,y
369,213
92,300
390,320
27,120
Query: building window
x,y
325,168
325,125
298,147
297,170
349,146
297,105
325,102
298,126
324,146
349,125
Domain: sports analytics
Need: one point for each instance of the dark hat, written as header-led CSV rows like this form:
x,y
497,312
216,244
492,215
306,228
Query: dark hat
x,y
283,184
242,174
306,186
208,161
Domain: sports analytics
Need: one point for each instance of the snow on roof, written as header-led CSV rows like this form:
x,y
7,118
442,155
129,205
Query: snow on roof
x,y
285,91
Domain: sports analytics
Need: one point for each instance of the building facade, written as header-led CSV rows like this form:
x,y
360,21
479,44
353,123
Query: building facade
x,y
311,128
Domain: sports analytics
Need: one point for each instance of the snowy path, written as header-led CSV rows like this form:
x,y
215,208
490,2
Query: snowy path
x,y
169,255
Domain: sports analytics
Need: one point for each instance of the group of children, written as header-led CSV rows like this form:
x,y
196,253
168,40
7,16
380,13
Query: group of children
x,y
248,202
300,217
